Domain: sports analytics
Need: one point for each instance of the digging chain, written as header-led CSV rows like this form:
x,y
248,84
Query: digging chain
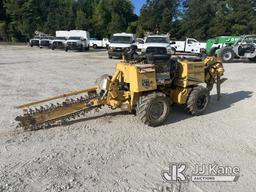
x,y
28,122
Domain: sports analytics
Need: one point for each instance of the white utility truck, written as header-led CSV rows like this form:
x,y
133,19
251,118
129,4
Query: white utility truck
x,y
140,42
60,40
78,40
190,45
119,43
95,43
156,43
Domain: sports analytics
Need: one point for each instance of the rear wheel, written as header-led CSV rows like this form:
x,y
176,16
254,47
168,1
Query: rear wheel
x,y
153,109
198,100
252,59
227,55
95,46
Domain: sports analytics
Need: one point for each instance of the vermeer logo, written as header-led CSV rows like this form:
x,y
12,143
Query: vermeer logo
x,y
201,173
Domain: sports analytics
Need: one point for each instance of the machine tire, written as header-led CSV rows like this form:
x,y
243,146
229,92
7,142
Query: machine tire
x,y
173,51
81,48
110,57
147,112
66,49
198,100
252,59
210,86
95,46
227,55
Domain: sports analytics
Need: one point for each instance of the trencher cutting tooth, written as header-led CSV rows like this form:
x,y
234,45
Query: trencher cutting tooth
x,y
28,120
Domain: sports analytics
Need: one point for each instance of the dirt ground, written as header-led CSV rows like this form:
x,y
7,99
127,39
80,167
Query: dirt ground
x,y
111,150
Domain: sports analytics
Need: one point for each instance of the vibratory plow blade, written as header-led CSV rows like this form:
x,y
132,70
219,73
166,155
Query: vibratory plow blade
x,y
68,107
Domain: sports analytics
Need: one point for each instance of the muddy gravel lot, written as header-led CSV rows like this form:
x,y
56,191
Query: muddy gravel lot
x,y
112,150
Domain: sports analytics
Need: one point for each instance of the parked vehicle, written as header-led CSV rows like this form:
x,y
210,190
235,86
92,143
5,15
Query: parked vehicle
x,y
140,42
245,47
60,40
215,44
95,43
190,45
78,40
119,43
155,43
45,41
35,41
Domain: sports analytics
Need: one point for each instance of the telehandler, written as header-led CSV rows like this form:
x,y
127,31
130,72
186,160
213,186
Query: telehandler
x,y
145,85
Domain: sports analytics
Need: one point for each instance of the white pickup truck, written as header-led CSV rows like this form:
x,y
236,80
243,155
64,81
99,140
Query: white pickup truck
x,y
157,43
190,45
95,43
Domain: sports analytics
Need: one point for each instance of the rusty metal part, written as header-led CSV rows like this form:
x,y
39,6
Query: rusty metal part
x,y
50,114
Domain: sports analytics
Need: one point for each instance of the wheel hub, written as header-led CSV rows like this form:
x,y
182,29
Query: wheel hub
x,y
227,56
156,110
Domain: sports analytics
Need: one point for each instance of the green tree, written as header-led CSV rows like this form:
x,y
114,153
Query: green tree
x,y
218,17
158,15
81,20
3,22
198,18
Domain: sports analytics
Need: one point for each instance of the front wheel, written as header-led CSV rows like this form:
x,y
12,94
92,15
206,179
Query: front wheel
x,y
173,51
252,59
153,109
81,49
198,100
66,49
227,55
95,46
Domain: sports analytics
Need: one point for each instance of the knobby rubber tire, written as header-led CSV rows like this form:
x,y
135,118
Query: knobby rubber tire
x,y
197,93
144,107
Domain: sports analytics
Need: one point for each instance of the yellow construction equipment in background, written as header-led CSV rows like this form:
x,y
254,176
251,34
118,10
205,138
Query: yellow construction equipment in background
x,y
147,87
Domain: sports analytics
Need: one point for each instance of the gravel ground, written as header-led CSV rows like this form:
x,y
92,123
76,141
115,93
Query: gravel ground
x,y
110,150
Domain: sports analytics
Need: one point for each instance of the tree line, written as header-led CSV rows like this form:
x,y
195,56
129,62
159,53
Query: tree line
x,y
200,19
